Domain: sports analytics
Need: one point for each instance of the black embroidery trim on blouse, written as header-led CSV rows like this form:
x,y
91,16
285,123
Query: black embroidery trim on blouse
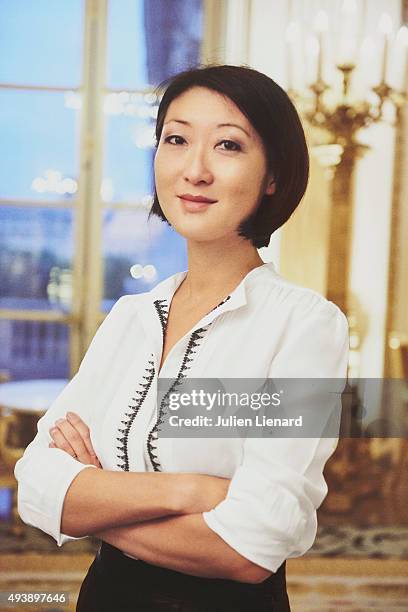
x,y
196,335
138,401
162,309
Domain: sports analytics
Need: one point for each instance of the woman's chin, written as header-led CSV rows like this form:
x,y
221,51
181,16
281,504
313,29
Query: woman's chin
x,y
199,231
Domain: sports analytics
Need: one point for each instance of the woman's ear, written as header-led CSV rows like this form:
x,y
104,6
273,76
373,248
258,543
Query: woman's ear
x,y
270,186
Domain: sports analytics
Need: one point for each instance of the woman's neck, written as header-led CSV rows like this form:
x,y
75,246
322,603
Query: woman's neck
x,y
215,270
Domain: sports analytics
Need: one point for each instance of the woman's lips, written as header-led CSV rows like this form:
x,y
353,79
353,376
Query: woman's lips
x,y
194,206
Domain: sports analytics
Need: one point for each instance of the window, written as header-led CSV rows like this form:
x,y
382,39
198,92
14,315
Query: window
x,y
78,113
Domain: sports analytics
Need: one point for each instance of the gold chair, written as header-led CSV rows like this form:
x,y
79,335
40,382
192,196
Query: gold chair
x,y
9,455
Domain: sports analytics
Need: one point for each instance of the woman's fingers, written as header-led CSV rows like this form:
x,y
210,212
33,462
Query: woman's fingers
x,y
83,429
61,441
69,439
72,436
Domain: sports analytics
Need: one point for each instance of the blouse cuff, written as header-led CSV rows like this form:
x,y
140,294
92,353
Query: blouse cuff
x,y
40,504
262,520
269,561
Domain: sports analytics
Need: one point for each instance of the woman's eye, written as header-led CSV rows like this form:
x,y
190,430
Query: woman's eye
x,y
174,139
231,145
228,145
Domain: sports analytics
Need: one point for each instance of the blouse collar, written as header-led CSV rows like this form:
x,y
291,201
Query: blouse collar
x,y
237,298
159,299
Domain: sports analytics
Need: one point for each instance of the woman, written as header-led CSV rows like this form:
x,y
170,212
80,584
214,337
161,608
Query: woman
x,y
197,524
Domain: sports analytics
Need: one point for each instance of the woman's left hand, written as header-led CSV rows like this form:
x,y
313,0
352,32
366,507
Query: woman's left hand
x,y
72,436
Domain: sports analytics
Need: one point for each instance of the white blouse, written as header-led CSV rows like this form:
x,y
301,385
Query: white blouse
x,y
267,327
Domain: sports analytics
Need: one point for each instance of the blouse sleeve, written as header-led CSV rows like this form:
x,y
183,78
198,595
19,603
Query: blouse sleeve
x,y
44,474
269,514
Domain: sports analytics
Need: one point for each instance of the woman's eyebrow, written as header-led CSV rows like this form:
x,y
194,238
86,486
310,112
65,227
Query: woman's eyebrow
x,y
218,126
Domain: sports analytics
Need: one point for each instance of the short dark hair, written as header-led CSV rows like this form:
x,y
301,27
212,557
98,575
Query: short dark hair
x,y
273,115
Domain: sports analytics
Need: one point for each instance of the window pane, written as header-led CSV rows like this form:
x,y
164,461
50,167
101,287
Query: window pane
x,y
126,63
34,349
147,42
129,147
153,250
6,502
41,42
39,145
36,248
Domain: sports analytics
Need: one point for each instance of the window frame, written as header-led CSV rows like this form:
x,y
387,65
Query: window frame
x,y
87,205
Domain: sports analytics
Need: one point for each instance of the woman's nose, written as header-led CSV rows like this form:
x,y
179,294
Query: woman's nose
x,y
196,167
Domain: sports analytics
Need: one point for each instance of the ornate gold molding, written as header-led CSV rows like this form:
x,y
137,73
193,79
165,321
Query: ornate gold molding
x,y
395,336
391,336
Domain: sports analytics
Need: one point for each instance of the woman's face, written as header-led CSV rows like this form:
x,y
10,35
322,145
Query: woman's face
x,y
208,148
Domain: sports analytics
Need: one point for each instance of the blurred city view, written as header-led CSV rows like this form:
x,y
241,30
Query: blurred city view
x,y
40,159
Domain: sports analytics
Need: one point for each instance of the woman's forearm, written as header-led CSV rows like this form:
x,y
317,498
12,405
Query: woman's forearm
x,y
98,499
185,544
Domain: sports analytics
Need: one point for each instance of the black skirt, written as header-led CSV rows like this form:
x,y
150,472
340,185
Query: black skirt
x,y
115,582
